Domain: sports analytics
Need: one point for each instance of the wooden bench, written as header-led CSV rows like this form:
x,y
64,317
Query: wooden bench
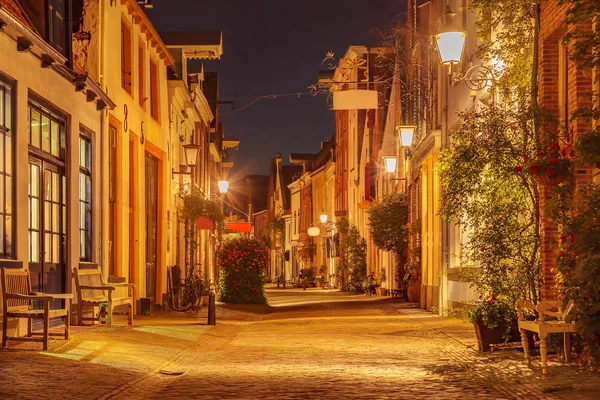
x,y
17,302
543,327
93,292
402,291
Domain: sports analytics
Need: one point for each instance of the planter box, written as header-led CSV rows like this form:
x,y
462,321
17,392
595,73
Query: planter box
x,y
487,336
381,291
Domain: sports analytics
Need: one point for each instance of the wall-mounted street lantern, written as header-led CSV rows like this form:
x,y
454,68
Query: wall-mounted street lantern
x,y
390,163
323,217
223,186
406,133
313,231
191,154
190,151
450,43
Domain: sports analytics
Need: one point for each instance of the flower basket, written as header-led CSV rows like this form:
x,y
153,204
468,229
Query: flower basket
x,y
555,178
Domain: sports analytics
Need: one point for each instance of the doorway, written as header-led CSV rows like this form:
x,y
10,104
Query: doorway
x,y
47,227
151,169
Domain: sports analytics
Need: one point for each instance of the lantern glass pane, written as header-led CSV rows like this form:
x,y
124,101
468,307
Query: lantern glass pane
x,y
450,46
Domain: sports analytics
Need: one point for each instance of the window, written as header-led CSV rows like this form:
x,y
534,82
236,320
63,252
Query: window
x,y
563,83
112,196
46,131
6,182
126,56
56,25
154,91
141,75
85,195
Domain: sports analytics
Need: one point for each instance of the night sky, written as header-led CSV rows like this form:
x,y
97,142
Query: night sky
x,y
273,47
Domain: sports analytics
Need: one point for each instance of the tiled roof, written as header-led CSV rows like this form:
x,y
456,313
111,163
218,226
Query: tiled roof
x,y
13,7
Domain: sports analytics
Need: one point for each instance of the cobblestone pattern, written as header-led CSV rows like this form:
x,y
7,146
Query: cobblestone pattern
x,y
314,344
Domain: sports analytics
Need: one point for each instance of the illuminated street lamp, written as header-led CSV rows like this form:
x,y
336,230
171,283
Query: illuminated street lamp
x,y
451,41
390,163
323,217
406,133
313,231
223,186
191,154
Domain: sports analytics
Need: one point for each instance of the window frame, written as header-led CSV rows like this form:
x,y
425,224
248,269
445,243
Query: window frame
x,y
126,56
86,135
142,73
7,180
154,90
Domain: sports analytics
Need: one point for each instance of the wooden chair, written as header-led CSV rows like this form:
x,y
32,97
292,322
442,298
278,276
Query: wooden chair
x,y
17,302
543,327
92,292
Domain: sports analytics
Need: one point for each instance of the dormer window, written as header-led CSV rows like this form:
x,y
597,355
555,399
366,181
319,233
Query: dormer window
x,y
57,24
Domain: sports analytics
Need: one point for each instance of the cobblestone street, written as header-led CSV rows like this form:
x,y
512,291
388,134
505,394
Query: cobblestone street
x,y
314,344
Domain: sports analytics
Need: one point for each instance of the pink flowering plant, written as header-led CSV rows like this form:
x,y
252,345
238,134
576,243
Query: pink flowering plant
x,y
243,263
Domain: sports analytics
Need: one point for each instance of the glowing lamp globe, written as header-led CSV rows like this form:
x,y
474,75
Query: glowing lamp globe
x,y
390,163
223,186
450,46
323,218
191,154
406,133
313,231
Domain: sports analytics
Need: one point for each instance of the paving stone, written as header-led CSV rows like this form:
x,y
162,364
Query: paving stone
x,y
307,344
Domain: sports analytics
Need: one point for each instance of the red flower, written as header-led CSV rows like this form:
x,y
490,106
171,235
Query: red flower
x,y
526,157
493,297
554,160
518,169
573,237
237,270
540,154
554,145
563,239
563,152
548,171
490,302
533,168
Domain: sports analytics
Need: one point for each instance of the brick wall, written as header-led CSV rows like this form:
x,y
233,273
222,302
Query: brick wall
x,y
578,91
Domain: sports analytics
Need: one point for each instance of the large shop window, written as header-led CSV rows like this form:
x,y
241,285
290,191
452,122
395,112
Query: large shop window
x,y
6,181
85,195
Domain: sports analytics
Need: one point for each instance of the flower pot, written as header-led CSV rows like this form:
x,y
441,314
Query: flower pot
x,y
556,177
204,301
487,336
381,291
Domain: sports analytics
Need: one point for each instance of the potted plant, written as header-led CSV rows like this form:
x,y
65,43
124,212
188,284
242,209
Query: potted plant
x,y
495,321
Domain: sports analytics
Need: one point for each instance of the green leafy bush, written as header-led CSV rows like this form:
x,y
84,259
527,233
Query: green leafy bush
x,y
243,263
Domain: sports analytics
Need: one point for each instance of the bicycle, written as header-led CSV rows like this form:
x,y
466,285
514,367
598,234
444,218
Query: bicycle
x,y
184,295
